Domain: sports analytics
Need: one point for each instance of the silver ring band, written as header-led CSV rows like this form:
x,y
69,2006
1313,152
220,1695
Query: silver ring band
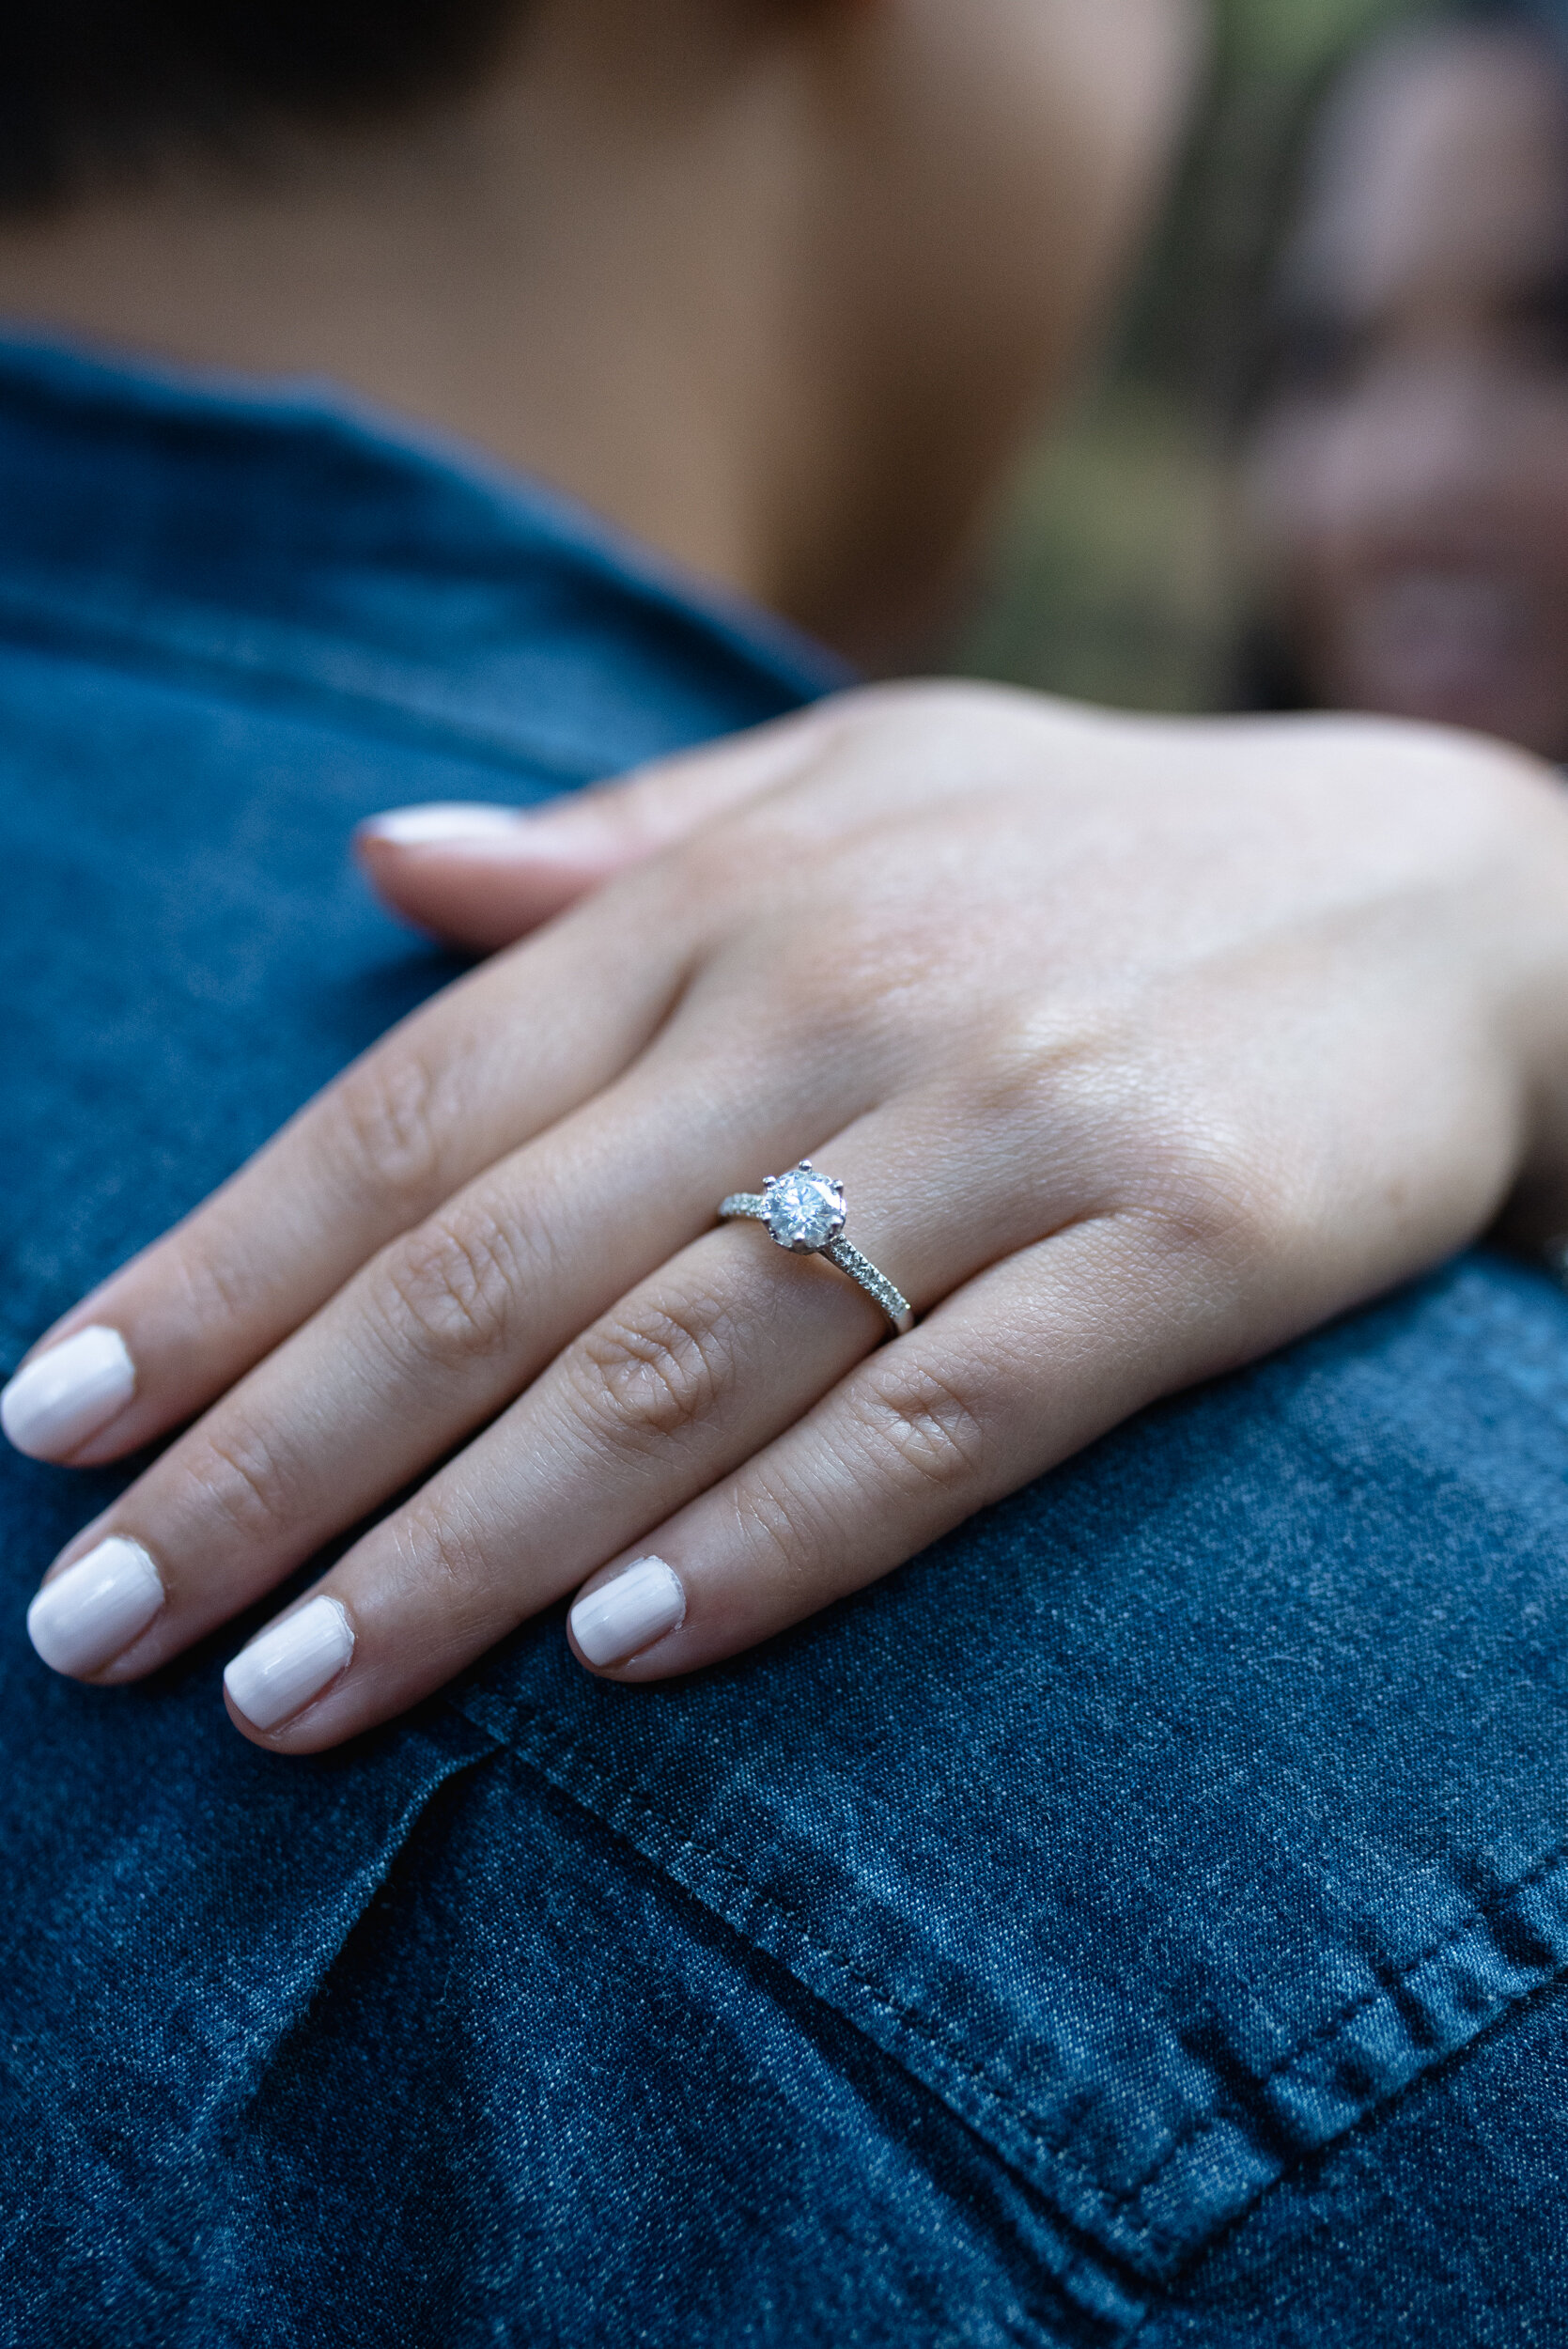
x,y
803,1211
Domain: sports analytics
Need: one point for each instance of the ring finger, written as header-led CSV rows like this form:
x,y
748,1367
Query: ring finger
x,y
678,1385
440,1330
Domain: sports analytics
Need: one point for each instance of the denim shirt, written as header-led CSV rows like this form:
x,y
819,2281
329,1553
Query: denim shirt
x,y
1143,1916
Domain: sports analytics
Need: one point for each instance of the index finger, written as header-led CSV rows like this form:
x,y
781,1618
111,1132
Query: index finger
x,y
489,1063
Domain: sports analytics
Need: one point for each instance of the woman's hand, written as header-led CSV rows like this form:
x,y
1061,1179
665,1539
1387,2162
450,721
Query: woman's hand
x,y
1138,1048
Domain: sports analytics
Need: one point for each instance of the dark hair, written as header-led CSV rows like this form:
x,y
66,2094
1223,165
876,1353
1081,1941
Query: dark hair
x,y
104,85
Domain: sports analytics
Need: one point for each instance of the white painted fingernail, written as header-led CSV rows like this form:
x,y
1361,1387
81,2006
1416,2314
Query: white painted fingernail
x,y
291,1662
621,1618
445,824
86,1616
68,1394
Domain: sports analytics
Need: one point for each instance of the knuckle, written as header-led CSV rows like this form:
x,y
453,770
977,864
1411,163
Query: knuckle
x,y
1067,1064
219,1288
713,861
452,1289
654,1372
776,1525
924,1421
1123,1135
246,1476
840,980
386,1129
456,1563
1226,1198
822,998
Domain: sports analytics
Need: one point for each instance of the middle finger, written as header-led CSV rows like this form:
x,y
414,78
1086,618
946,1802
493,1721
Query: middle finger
x,y
678,1385
440,1330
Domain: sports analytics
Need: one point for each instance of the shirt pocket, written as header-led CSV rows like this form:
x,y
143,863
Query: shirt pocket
x,y
174,1900
1170,1818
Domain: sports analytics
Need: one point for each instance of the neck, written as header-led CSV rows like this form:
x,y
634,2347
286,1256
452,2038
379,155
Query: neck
x,y
611,297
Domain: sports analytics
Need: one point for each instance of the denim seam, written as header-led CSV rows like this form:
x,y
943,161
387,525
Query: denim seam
x,y
1170,2298
1114,2205
1323,2032
910,2017
1087,2251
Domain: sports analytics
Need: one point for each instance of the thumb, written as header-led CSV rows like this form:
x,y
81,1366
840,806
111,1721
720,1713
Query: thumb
x,y
482,876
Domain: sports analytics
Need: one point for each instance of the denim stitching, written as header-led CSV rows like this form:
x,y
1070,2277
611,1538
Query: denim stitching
x,y
1086,2249
910,2017
1200,2123
1033,2128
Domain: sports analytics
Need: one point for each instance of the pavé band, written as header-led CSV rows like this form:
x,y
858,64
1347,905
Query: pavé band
x,y
803,1211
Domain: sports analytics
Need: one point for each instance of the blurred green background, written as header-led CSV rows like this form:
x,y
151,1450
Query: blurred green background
x,y
1114,576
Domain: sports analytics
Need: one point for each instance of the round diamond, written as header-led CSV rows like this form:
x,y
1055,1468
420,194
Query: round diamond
x,y
805,1209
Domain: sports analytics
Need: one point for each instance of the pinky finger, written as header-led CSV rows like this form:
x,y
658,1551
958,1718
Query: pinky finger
x,y
1015,1372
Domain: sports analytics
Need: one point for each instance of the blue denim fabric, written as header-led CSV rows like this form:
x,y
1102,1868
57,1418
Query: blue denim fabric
x,y
1145,1918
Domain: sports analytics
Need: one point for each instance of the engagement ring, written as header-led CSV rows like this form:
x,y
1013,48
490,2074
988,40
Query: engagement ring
x,y
803,1211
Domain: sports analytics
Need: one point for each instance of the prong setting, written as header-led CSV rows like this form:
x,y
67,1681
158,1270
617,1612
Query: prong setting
x,y
805,1213
803,1209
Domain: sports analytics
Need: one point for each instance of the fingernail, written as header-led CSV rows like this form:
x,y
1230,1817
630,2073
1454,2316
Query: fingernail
x,y
445,824
291,1662
68,1394
623,1617
83,1618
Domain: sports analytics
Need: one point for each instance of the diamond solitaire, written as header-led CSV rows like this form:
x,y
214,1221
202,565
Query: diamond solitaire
x,y
803,1211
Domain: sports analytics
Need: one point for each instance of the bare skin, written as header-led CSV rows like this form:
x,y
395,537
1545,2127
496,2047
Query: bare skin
x,y
1408,480
1139,1048
1106,1027
772,283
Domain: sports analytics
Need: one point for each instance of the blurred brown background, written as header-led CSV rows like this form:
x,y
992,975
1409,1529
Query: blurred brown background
x,y
1113,578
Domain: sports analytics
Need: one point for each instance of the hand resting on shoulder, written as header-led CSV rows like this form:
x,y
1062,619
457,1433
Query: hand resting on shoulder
x,y
1138,1048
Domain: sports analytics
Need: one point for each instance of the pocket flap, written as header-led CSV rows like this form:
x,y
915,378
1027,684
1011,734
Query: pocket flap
x,y
1171,1816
